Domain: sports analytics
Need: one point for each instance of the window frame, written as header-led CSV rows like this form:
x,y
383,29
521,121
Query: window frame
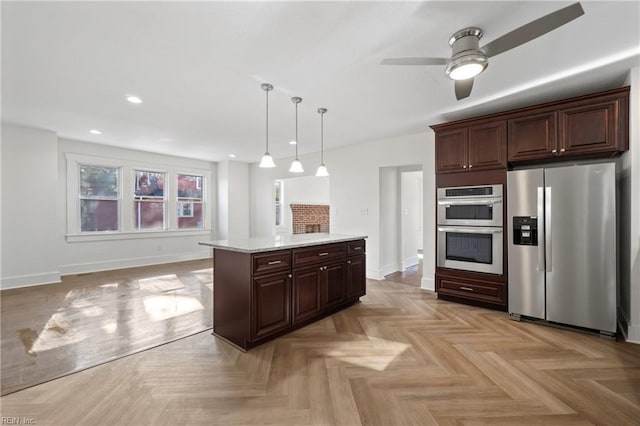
x,y
126,200
150,198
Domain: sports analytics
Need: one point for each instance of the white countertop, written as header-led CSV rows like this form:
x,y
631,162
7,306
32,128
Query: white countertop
x,y
279,242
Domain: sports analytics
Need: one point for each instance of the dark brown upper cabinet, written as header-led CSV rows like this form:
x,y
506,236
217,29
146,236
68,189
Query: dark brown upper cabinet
x,y
589,126
478,147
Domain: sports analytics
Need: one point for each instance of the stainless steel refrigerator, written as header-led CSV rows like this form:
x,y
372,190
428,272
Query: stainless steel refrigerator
x,y
562,245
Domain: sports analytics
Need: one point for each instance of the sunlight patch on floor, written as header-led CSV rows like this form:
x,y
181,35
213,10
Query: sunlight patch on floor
x,y
352,352
163,307
161,283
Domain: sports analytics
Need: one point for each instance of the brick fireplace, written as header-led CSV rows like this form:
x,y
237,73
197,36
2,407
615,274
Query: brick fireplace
x,y
308,218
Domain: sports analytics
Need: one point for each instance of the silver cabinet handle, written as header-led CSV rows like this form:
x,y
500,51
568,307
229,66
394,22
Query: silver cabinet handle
x,y
275,262
562,150
554,151
290,276
466,288
470,165
324,253
464,167
349,262
357,248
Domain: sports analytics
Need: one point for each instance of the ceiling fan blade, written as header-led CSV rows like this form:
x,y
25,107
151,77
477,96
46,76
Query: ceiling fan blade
x,y
533,29
463,88
414,61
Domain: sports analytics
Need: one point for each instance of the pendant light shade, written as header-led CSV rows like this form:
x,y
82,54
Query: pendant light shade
x,y
296,165
267,161
322,170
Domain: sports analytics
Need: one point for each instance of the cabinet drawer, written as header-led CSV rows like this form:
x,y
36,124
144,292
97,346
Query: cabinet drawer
x,y
271,261
308,256
487,292
355,247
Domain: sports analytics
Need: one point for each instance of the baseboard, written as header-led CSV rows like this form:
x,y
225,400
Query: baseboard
x,y
84,268
374,274
412,261
389,268
428,284
30,280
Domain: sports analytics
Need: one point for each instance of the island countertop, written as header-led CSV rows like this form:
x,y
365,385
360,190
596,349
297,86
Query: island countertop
x,y
279,242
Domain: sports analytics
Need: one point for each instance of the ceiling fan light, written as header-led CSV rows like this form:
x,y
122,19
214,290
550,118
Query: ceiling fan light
x,y
267,161
322,171
296,166
467,66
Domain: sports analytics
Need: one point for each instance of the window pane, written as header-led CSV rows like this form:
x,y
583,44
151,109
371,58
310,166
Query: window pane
x,y
189,186
149,183
98,215
190,215
148,215
98,181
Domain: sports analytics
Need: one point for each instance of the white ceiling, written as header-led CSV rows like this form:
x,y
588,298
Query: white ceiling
x,y
198,66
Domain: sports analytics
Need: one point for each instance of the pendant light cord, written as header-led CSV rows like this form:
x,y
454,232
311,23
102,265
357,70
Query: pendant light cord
x,y
296,130
267,120
322,138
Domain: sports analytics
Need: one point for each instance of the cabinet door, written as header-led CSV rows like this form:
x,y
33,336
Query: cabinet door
x,y
451,150
306,293
532,137
334,288
356,279
271,305
488,146
589,128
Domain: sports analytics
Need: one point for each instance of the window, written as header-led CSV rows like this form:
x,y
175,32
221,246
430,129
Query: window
x,y
99,198
190,201
149,204
278,201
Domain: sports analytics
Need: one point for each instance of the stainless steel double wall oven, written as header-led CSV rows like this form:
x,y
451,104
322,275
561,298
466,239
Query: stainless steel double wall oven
x,y
470,228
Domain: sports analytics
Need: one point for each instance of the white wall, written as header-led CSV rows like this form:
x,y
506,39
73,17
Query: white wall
x,y
410,217
35,249
629,191
29,215
233,200
302,190
355,192
389,231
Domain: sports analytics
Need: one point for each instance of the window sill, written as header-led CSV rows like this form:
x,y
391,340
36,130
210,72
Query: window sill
x,y
108,236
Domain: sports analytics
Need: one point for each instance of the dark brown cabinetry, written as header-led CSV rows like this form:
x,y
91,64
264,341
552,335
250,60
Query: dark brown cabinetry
x,y
587,127
271,304
470,148
479,292
258,296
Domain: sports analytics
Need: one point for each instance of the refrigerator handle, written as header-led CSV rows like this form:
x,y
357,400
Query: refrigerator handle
x,y
541,234
547,227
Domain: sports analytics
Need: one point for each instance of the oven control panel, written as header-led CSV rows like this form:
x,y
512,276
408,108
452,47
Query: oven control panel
x,y
525,230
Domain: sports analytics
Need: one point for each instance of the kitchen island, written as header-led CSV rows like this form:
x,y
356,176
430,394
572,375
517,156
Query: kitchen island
x,y
267,287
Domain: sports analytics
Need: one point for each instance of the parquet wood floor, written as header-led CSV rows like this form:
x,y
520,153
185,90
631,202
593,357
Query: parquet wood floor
x,y
401,357
52,330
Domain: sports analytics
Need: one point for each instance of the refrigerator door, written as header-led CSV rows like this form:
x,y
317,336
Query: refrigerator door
x,y
581,249
526,262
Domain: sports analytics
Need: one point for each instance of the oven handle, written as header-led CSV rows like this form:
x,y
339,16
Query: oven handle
x,y
477,201
470,229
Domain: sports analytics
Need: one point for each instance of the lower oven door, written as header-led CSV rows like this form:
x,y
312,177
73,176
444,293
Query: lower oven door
x,y
470,248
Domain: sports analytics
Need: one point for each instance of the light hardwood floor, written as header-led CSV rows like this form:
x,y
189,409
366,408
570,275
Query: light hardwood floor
x,y
49,331
399,357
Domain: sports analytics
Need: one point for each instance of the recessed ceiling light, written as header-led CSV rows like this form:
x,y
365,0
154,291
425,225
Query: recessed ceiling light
x,y
134,99
293,143
232,156
95,131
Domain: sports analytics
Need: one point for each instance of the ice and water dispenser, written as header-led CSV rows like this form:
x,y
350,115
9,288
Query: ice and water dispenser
x,y
525,231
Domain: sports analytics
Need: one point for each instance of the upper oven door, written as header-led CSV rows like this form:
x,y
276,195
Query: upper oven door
x,y
470,212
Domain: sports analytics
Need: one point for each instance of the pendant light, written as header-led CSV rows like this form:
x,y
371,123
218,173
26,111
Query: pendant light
x,y
322,170
267,161
296,165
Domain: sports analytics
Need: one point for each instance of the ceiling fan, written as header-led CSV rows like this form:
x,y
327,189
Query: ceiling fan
x,y
468,59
